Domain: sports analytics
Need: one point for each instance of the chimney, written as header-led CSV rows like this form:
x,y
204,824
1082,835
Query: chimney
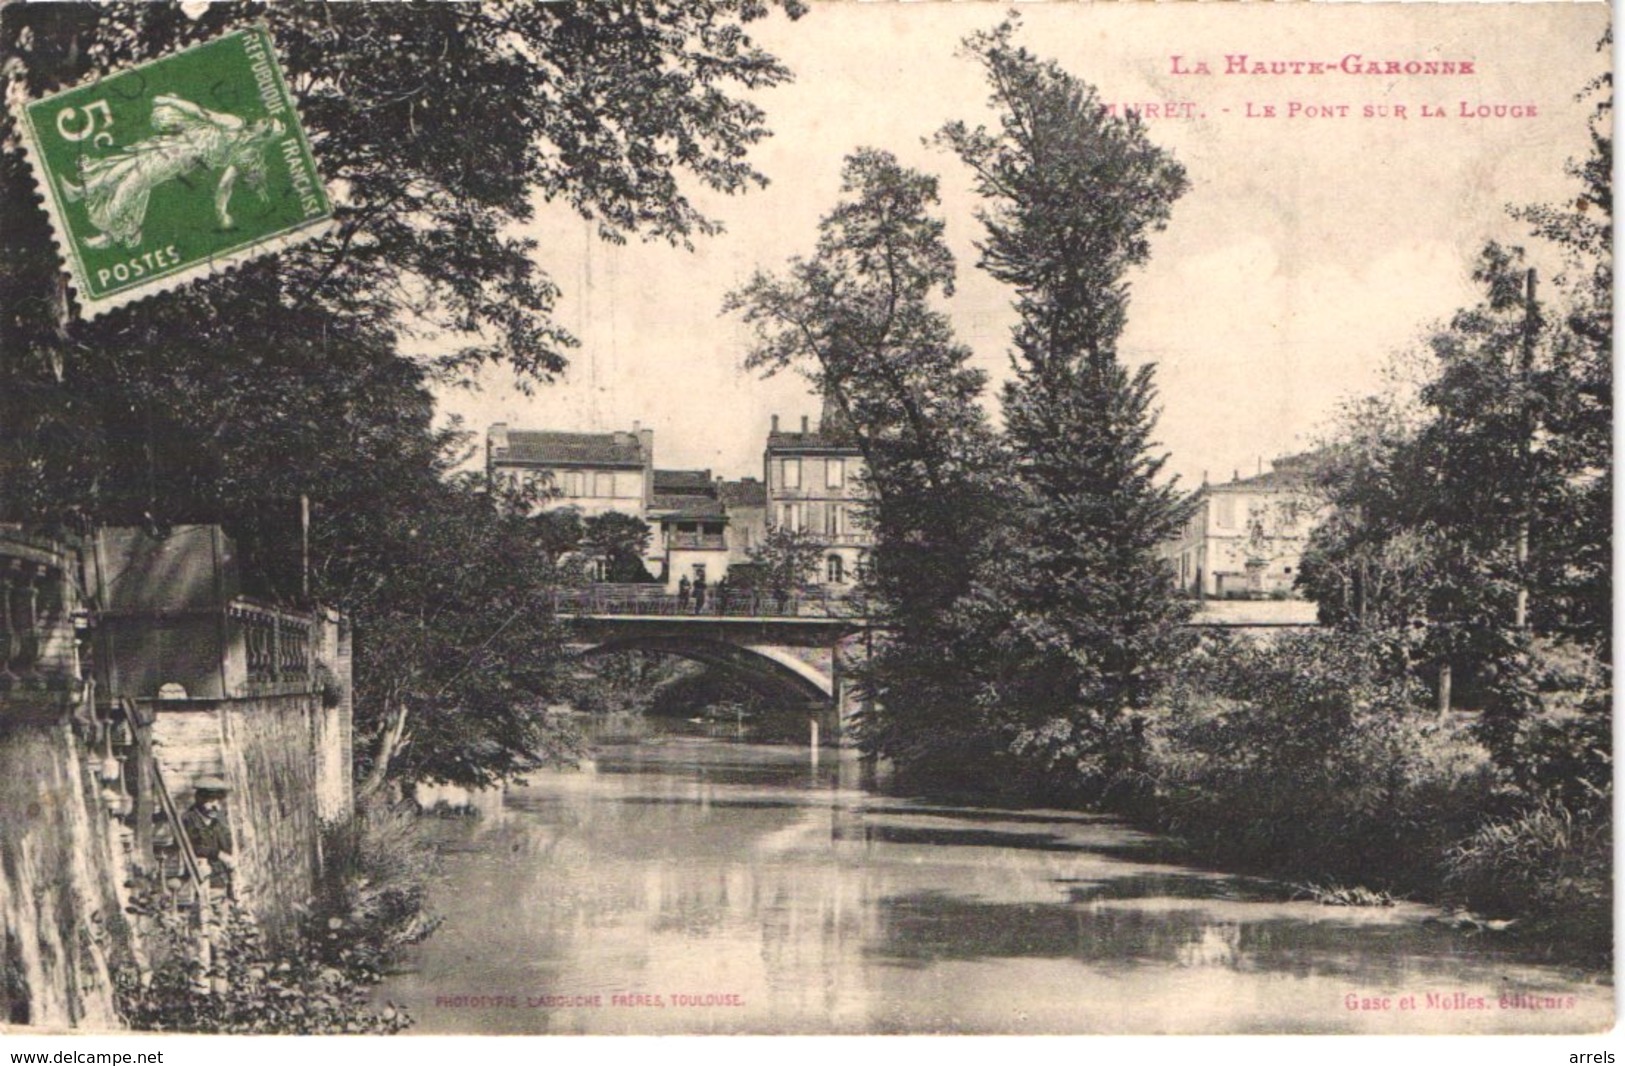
x,y
1204,477
646,450
498,437
775,428
803,425
1260,464
1235,475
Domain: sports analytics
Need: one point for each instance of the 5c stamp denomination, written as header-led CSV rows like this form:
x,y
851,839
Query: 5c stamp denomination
x,y
173,169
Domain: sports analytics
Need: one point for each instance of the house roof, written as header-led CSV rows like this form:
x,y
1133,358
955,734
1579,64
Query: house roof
x,y
1269,481
748,492
812,441
684,483
671,506
572,449
1289,473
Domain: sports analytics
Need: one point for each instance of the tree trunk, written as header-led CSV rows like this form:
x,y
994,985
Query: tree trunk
x,y
388,743
1526,366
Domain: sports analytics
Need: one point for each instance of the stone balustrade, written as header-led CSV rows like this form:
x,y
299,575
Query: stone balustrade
x,y
37,648
265,646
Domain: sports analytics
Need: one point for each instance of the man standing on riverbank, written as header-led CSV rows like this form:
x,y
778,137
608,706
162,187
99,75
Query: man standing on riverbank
x,y
209,833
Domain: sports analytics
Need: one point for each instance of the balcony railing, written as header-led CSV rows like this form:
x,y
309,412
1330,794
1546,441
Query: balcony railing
x,y
697,541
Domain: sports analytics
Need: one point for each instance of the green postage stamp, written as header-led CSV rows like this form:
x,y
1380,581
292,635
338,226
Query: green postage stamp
x,y
174,169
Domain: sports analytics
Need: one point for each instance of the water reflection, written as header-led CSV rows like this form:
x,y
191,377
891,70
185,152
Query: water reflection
x,y
697,885
1209,886
970,838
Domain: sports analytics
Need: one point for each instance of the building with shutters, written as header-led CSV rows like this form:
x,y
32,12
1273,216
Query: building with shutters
x,y
1245,537
814,480
592,472
699,523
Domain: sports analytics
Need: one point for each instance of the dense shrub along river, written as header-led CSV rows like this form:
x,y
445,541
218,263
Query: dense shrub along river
x,y
688,884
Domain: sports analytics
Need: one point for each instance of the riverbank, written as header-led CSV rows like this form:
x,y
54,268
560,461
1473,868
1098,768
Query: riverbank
x,y
1305,761
217,971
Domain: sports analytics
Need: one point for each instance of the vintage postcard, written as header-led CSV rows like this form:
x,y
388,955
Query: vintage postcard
x,y
807,518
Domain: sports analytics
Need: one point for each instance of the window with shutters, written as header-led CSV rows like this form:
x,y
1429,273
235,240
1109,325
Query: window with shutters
x,y
834,473
790,474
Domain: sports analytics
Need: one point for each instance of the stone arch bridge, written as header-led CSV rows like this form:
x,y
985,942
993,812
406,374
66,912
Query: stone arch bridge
x,y
793,650
796,649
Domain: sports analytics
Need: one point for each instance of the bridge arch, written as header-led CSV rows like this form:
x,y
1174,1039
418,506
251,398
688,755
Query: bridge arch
x,y
770,671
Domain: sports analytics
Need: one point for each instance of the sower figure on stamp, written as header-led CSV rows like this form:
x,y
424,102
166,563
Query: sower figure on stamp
x,y
210,834
117,187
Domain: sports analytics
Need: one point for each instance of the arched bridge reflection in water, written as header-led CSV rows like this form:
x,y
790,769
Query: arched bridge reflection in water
x,y
694,885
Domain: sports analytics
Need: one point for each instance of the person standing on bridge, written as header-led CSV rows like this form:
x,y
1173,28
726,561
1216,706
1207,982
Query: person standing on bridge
x,y
699,594
721,594
682,594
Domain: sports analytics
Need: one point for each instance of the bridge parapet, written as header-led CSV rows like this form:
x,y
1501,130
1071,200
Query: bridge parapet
x,y
621,600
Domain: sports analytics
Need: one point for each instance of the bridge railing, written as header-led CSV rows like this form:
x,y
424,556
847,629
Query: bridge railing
x,y
654,600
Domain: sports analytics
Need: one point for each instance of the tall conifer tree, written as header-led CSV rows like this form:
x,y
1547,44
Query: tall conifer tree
x,y
1088,615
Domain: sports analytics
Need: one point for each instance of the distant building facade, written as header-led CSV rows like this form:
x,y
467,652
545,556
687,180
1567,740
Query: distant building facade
x,y
593,472
1245,538
814,481
693,527
745,501
701,524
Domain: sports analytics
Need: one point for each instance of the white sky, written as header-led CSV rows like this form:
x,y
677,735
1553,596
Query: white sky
x,y
1305,252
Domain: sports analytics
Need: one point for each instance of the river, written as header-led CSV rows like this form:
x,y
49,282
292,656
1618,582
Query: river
x,y
693,884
